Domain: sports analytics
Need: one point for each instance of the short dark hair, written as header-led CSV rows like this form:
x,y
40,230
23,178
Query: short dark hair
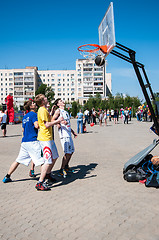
x,y
27,105
56,101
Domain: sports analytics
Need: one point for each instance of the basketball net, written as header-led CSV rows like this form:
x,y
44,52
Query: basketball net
x,y
90,51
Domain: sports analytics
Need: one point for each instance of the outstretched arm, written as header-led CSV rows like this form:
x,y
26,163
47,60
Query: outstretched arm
x,y
55,119
75,135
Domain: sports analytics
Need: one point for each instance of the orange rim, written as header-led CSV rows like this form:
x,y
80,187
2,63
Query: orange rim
x,y
104,48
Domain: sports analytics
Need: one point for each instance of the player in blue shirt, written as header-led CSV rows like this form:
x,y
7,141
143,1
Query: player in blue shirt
x,y
30,147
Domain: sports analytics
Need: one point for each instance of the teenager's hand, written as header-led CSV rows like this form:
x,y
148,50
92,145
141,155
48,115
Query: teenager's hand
x,y
75,135
64,122
60,119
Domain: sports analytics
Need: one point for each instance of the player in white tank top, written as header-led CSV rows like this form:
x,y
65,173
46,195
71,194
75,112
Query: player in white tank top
x,y
65,136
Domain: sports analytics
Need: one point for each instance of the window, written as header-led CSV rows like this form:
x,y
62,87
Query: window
x,y
28,73
59,84
59,94
53,84
59,89
10,74
79,89
59,75
18,74
43,75
52,75
52,80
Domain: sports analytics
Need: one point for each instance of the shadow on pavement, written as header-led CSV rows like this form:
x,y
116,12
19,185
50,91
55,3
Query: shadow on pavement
x,y
11,136
80,172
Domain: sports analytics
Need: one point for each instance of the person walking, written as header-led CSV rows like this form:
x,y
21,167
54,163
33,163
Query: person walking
x,y
100,118
86,116
105,117
80,121
94,115
3,121
126,115
115,116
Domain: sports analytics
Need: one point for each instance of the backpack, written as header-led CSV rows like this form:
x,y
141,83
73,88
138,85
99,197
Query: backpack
x,y
153,180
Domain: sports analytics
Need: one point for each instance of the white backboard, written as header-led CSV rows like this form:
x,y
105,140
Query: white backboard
x,y
106,30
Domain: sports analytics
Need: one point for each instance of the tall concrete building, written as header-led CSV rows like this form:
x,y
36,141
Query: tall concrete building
x,y
19,83
91,80
69,85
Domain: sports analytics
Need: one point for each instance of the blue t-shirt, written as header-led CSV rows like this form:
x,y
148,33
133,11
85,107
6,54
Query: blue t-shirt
x,y
80,116
30,132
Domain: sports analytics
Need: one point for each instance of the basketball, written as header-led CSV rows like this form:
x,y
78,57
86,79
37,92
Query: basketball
x,y
155,160
99,60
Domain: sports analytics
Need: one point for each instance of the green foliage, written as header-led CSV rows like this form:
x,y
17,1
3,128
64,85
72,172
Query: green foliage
x,y
47,91
156,95
41,89
75,108
114,102
0,107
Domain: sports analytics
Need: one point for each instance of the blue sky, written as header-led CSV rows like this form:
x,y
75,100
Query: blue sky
x,y
47,33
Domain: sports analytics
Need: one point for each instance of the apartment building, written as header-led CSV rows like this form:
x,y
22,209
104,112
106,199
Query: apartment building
x,y
63,83
69,85
91,80
19,83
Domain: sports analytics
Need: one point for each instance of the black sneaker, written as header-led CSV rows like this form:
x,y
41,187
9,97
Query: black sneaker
x,y
42,187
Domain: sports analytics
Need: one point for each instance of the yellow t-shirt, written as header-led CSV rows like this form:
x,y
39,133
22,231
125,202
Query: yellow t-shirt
x,y
44,134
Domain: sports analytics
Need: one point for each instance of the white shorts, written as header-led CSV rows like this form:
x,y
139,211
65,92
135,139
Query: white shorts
x,y
30,151
49,151
67,145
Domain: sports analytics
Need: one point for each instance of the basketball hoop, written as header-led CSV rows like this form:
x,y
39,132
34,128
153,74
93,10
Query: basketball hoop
x,y
90,51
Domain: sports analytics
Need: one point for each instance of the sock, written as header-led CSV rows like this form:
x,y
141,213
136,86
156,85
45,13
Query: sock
x,y
7,176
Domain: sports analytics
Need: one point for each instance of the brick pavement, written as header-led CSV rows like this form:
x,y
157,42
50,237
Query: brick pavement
x,y
95,203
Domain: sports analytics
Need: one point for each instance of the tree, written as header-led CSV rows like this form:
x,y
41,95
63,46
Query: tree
x,y
47,91
75,108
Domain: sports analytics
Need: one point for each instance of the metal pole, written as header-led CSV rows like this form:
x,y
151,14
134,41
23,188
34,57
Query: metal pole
x,y
132,57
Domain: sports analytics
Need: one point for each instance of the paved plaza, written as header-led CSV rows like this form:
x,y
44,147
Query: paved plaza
x,y
95,203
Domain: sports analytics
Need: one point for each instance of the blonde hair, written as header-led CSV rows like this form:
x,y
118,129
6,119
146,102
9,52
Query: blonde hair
x,y
39,99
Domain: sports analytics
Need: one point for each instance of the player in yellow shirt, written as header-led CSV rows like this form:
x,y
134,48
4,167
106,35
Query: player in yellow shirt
x,y
50,153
